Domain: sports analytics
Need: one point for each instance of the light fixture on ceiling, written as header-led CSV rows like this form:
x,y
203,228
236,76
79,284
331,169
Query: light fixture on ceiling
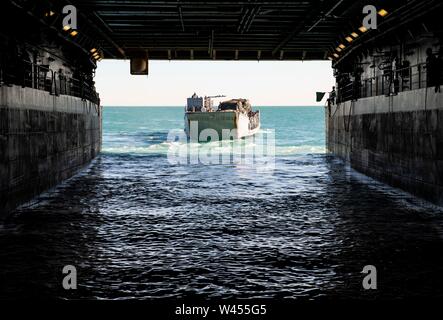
x,y
382,12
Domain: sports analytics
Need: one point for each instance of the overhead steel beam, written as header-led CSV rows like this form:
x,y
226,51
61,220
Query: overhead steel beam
x,y
315,7
327,14
180,14
248,16
102,33
283,28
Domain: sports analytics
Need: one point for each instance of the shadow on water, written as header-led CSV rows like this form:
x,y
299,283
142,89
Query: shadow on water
x,y
136,226
60,229
377,225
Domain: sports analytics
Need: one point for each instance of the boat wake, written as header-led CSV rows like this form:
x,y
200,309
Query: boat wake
x,y
158,144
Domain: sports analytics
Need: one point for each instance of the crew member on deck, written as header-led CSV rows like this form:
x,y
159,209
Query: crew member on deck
x,y
332,95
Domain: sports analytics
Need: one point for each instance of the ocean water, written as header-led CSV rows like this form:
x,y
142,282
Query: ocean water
x,y
144,130
137,225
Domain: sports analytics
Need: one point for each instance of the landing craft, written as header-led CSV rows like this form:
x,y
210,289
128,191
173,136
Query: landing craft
x,y
232,119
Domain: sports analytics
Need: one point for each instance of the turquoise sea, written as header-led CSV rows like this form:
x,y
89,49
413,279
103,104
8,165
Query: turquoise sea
x,y
141,130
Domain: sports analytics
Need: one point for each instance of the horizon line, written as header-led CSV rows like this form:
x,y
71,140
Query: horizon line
x,y
175,106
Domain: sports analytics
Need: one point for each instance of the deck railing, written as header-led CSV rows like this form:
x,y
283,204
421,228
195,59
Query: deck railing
x,y
41,77
390,82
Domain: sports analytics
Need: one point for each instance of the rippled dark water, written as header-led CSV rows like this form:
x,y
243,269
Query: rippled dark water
x,y
136,226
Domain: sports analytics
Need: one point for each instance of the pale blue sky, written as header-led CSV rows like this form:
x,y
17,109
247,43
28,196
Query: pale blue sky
x,y
169,83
